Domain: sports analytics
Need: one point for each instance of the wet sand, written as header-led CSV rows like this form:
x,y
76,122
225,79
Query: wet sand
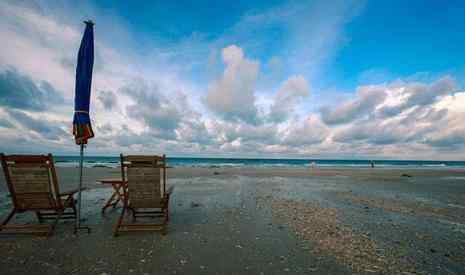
x,y
264,221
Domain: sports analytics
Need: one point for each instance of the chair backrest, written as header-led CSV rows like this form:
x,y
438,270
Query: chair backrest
x,y
32,181
146,180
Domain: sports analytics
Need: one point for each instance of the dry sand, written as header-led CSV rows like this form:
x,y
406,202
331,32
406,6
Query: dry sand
x,y
264,221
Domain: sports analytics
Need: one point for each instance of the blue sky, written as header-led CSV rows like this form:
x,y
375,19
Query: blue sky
x,y
390,38
359,79
380,40
404,38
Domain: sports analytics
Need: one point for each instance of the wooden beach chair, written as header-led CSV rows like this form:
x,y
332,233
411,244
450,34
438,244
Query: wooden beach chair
x,y
145,193
33,186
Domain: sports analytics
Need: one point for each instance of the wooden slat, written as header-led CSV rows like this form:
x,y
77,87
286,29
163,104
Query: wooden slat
x,y
26,158
35,201
142,158
25,229
32,187
144,187
142,227
145,164
30,179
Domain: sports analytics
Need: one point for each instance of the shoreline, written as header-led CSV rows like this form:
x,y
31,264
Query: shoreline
x,y
68,176
387,167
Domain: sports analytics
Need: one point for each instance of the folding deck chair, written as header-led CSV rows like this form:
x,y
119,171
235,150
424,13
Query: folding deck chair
x,y
33,186
145,193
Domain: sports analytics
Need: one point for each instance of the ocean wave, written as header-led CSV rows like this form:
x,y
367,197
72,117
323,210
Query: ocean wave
x,y
73,161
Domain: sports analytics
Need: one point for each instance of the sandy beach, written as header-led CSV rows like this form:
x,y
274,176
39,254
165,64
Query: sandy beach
x,y
246,220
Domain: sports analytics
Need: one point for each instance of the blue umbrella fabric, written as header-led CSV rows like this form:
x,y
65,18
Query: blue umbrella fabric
x,y
82,128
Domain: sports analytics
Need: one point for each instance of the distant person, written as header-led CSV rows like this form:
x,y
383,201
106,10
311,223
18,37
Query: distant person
x,y
313,164
372,163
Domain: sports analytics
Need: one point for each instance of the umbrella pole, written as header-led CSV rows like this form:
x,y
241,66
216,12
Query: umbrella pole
x,y
81,163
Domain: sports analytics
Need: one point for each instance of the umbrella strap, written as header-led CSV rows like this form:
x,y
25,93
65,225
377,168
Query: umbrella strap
x,y
79,111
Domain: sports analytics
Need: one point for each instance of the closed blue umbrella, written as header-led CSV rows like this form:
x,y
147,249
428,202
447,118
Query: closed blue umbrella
x,y
82,128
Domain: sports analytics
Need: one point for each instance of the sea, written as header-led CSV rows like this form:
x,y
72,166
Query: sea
x,y
113,161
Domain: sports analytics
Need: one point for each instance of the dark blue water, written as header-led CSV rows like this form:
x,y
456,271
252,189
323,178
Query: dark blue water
x,y
113,161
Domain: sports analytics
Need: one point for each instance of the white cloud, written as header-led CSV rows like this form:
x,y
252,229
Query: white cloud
x,y
159,114
232,96
451,129
421,116
20,91
367,98
37,45
417,94
229,132
192,128
108,99
291,91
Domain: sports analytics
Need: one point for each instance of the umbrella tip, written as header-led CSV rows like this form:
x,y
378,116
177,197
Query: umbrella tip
x,y
89,22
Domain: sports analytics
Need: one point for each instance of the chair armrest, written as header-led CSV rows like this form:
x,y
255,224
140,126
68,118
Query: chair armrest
x,y
72,192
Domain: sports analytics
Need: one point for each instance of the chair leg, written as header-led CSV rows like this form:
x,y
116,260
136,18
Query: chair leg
x,y
167,214
39,216
165,221
167,208
55,223
118,223
74,209
108,203
73,206
163,230
75,220
133,211
8,218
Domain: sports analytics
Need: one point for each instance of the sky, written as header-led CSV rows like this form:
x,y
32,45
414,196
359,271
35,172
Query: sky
x,y
262,79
